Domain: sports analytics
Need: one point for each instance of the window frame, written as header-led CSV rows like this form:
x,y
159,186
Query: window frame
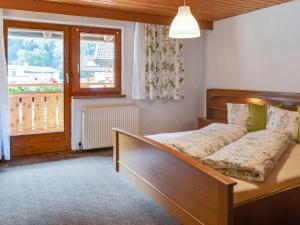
x,y
77,91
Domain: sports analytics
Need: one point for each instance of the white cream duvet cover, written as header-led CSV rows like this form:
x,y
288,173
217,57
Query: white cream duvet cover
x,y
252,157
203,142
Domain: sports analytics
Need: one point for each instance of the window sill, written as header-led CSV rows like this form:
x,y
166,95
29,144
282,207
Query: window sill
x,y
99,96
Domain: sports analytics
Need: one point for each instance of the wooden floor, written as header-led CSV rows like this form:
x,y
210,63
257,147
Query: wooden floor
x,y
25,160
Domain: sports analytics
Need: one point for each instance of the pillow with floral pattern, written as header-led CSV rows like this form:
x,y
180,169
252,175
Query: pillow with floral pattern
x,y
238,114
281,119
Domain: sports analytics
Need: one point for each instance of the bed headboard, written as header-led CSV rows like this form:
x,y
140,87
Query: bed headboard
x,y
216,100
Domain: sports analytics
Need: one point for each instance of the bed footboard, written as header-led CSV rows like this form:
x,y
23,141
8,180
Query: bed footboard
x,y
190,191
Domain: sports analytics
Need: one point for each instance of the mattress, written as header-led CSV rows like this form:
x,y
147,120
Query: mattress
x,y
286,174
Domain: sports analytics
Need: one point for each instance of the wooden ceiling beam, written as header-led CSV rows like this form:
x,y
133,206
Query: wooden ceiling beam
x,y
202,9
92,11
145,7
146,11
207,10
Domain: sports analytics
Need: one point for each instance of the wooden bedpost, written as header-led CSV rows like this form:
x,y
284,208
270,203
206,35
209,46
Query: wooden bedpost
x,y
225,199
116,149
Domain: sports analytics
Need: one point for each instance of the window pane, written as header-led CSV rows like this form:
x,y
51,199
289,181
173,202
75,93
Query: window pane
x,y
35,60
97,61
35,80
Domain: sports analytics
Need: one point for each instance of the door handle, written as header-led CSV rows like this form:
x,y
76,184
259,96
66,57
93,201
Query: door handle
x,y
78,68
67,78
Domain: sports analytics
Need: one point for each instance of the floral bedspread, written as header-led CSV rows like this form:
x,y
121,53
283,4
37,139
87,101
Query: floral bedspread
x,y
252,157
206,141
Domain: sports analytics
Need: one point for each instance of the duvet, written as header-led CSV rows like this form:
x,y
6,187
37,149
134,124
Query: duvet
x,y
252,157
206,141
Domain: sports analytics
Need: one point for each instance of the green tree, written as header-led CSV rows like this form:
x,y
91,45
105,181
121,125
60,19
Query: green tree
x,y
35,52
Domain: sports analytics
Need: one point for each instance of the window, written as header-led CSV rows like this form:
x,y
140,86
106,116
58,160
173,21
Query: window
x,y
96,61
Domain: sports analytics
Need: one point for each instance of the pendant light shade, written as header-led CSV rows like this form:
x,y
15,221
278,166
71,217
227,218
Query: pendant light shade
x,y
184,24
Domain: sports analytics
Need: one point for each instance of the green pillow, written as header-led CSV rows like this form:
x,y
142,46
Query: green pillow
x,y
298,138
258,120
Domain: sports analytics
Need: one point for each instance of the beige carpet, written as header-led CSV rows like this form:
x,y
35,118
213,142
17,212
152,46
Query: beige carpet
x,y
77,191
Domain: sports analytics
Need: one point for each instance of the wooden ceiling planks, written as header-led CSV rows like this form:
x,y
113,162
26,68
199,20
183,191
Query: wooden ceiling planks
x,y
210,10
148,11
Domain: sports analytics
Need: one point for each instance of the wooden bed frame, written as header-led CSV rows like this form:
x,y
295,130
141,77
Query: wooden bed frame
x,y
193,192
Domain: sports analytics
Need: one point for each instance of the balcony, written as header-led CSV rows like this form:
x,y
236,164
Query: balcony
x,y
36,112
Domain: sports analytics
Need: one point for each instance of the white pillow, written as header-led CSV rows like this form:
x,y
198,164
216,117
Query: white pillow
x,y
238,114
281,119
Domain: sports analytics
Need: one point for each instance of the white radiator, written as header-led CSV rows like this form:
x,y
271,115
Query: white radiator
x,y
98,121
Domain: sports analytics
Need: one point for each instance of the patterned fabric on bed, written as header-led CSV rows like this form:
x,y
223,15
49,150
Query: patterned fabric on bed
x,y
280,119
238,114
253,156
206,141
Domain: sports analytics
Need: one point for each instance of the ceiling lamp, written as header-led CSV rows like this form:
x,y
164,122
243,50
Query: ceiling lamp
x,y
184,24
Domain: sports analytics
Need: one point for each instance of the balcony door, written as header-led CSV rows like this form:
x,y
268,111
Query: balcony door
x,y
38,81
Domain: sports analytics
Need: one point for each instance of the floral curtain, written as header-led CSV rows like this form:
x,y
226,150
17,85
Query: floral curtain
x,y
4,136
158,64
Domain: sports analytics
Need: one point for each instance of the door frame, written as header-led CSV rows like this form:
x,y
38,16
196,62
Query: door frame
x,y
53,141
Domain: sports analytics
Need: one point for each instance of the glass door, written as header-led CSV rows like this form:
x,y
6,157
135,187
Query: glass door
x,y
38,84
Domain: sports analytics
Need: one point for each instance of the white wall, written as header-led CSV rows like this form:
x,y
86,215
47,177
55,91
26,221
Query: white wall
x,y
258,50
155,116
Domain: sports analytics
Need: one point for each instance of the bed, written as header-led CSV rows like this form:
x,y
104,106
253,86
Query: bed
x,y
196,194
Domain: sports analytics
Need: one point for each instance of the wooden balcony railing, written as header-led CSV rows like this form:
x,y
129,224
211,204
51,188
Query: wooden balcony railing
x,y
36,112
